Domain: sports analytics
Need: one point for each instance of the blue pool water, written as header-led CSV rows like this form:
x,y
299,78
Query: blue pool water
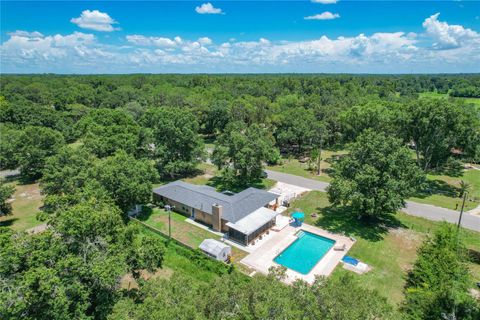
x,y
305,252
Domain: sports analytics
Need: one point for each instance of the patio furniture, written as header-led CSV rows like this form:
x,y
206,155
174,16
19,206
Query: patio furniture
x,y
340,247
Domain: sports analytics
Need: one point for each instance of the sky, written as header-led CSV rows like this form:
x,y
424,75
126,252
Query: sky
x,y
317,36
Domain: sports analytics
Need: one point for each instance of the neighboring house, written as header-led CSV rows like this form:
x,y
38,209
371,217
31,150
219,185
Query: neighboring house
x,y
216,249
243,216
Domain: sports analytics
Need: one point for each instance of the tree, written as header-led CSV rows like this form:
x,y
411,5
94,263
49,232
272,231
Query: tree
x,y
175,144
435,126
372,115
375,177
463,187
9,143
6,191
128,181
437,286
242,151
105,131
299,130
36,144
73,269
234,296
217,117
67,171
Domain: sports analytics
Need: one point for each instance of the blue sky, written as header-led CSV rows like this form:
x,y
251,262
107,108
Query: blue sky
x,y
240,36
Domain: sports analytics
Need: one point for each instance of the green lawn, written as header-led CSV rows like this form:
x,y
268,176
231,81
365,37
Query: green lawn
x,y
475,101
183,231
295,167
389,248
26,204
445,189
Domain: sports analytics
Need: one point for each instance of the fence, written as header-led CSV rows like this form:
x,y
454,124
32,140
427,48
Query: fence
x,y
193,254
160,233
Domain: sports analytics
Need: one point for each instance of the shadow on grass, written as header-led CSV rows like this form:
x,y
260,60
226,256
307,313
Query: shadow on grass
x,y
184,175
8,223
218,183
441,187
341,220
145,214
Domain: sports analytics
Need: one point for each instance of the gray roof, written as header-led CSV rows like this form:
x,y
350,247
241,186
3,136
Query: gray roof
x,y
253,221
202,198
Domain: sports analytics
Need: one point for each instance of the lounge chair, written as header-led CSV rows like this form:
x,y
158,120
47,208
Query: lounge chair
x,y
339,247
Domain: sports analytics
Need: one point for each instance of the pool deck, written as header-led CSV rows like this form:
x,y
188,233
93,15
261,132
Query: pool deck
x,y
262,258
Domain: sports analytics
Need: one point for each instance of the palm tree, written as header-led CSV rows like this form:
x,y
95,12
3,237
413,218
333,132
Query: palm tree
x,y
464,187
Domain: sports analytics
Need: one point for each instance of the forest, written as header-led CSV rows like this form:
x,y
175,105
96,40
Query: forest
x,y
97,144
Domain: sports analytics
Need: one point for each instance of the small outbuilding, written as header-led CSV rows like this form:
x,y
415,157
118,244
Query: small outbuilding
x,y
216,249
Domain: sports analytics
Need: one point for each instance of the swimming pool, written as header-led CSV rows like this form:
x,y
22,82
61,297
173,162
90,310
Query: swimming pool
x,y
305,252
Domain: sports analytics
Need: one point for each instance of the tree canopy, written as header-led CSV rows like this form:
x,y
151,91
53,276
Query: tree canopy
x,y
242,150
375,177
173,141
437,285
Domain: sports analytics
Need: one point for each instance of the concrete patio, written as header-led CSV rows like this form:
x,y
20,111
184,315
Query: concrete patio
x,y
262,258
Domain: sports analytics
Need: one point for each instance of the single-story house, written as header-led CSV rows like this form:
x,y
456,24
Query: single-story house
x,y
216,249
244,216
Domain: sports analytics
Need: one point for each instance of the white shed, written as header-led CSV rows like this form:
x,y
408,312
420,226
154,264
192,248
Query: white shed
x,y
215,249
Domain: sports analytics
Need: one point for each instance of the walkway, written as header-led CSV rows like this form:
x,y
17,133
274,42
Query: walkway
x,y
426,211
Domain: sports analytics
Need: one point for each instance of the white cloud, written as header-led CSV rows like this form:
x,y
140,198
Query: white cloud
x,y
325,1
21,33
208,8
327,15
95,20
74,49
382,52
205,41
447,36
151,41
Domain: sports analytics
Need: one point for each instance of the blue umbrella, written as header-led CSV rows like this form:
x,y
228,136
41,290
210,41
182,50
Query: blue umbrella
x,y
297,215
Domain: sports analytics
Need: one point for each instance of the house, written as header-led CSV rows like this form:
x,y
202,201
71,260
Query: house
x,y
244,216
216,249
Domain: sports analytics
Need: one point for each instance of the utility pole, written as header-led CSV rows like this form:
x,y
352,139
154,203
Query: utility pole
x,y
169,209
319,160
461,211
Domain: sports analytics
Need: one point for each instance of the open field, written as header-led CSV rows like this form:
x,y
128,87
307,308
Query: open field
x,y
183,231
389,248
475,101
27,201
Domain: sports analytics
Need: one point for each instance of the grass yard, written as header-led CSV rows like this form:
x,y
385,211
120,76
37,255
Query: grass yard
x,y
445,189
27,201
183,231
474,101
295,167
389,248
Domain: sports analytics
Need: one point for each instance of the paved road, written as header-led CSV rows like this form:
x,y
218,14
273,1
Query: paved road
x,y
297,180
426,211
